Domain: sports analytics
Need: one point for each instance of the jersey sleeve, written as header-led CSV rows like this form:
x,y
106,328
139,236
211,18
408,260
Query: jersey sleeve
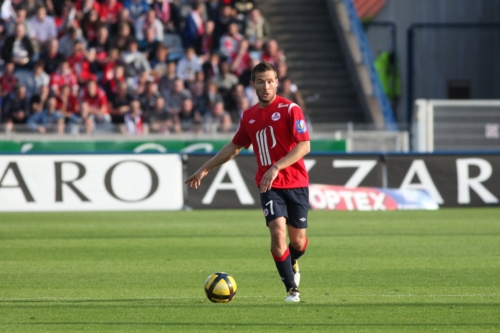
x,y
241,137
297,123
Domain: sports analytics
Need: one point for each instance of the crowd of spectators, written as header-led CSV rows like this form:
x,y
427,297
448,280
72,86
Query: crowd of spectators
x,y
114,65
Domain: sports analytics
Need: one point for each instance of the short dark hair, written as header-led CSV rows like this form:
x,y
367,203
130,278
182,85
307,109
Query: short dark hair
x,y
262,67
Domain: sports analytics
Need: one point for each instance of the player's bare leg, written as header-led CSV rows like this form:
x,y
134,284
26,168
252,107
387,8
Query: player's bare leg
x,y
282,258
297,247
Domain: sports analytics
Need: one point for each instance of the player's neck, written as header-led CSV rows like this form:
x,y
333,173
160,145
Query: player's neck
x,y
265,104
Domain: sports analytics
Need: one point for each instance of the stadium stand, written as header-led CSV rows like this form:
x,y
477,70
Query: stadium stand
x,y
131,66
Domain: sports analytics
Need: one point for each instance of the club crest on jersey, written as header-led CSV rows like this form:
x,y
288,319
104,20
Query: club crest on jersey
x,y
276,116
252,121
300,125
266,212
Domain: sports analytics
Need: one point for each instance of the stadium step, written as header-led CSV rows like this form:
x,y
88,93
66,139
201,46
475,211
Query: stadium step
x,y
315,59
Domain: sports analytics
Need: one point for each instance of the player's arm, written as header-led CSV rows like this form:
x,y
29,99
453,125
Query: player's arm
x,y
299,151
225,154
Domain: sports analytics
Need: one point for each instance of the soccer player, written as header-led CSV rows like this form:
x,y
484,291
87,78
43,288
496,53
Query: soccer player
x,y
277,130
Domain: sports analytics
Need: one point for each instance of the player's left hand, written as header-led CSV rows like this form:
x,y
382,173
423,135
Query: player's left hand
x,y
268,178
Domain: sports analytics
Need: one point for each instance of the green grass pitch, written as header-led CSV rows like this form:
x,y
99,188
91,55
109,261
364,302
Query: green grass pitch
x,y
145,271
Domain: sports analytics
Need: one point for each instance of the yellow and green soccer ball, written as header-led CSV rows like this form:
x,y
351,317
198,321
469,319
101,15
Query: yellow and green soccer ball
x,y
220,287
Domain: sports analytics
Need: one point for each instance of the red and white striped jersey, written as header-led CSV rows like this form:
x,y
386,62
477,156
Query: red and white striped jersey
x,y
273,131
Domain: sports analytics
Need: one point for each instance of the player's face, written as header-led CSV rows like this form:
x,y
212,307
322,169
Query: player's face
x,y
265,86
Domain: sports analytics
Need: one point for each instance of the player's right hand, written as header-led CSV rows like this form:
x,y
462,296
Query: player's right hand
x,y
195,179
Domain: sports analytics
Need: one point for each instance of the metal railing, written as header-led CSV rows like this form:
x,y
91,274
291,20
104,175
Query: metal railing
x,y
358,137
368,62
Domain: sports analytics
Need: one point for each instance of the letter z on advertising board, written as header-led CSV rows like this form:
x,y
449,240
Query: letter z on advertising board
x,y
90,182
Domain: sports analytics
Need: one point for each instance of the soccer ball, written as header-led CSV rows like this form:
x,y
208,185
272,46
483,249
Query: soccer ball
x,y
220,287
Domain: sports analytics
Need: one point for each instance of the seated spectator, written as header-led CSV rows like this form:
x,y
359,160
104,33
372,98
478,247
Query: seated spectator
x,y
148,98
66,20
197,86
18,48
256,30
94,106
136,8
31,6
9,8
251,95
111,87
52,58
168,13
242,105
166,83
285,90
68,41
108,11
16,108
67,104
194,28
282,70
207,41
272,54
188,65
210,96
211,67
243,8
148,46
80,64
85,6
38,79
230,41
95,66
10,25
160,120
149,22
39,101
134,61
101,44
91,24
124,37
187,119
8,80
42,26
138,83
62,77
246,76
110,63
231,100
48,118
159,62
212,9
123,18
176,96
134,123
119,104
218,119
241,60
225,80
222,21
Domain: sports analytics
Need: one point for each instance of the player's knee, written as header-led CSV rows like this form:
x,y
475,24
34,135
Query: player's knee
x,y
298,243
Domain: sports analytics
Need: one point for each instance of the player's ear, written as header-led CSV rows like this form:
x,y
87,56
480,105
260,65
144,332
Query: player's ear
x,y
252,84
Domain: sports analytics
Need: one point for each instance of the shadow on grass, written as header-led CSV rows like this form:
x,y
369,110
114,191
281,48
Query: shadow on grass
x,y
202,303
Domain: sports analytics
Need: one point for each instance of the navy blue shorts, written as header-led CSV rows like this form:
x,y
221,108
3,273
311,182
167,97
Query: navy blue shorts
x,y
291,203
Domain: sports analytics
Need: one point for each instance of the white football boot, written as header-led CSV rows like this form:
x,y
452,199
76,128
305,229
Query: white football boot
x,y
293,296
